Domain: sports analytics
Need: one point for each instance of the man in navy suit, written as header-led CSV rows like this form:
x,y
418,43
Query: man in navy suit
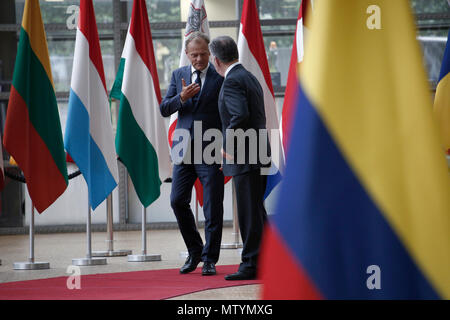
x,y
241,107
193,93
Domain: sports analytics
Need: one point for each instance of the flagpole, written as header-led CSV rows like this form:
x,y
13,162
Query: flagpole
x,y
31,264
110,237
196,208
89,260
144,257
236,244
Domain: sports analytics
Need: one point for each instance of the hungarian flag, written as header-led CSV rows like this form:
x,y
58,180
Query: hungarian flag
x,y
442,98
252,56
89,138
141,141
363,211
33,130
292,92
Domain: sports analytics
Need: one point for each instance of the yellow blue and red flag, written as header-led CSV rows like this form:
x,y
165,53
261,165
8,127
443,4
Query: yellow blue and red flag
x,y
33,129
364,208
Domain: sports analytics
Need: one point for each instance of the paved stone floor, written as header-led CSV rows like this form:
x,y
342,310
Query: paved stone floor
x,y
60,248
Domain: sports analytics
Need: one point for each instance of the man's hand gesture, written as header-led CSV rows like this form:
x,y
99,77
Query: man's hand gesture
x,y
189,91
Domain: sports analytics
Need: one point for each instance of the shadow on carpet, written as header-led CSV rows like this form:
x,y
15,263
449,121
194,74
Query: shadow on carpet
x,y
135,285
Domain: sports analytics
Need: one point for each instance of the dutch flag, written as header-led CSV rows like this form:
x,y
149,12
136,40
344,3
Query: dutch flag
x,y
252,56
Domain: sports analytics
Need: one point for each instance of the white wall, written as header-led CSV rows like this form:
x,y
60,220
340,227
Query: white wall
x,y
160,210
216,10
72,206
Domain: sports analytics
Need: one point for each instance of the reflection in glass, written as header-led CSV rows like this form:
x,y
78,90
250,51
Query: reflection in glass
x,y
56,11
167,56
63,109
280,9
278,50
61,60
427,6
433,44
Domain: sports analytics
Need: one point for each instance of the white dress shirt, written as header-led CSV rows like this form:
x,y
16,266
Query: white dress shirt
x,y
231,67
202,75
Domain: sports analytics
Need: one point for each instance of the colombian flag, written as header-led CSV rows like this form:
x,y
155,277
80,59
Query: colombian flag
x,y
442,98
33,130
364,208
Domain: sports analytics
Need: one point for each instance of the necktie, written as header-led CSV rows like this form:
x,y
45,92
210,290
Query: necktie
x,y
199,82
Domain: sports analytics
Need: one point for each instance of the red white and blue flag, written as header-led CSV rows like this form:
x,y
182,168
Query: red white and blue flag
x,y
292,93
89,136
252,55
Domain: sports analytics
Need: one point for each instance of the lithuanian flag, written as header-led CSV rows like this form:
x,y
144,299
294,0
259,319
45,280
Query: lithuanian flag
x,y
33,130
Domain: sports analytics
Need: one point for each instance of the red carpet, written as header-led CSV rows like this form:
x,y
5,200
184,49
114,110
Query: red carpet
x,y
136,285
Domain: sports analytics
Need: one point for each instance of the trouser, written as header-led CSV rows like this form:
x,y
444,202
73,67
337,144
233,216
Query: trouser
x,y
250,188
212,179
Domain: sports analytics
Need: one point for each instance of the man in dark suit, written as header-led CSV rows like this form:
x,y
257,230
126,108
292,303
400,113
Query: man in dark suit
x,y
193,93
241,107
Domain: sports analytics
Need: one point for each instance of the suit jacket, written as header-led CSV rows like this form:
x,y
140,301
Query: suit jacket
x,y
241,106
206,108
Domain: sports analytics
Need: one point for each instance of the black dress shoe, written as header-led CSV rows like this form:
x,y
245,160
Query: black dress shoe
x,y
240,275
209,269
190,264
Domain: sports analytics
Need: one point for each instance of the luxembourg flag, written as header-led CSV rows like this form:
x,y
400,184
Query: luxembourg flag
x,y
292,93
141,134
252,56
89,136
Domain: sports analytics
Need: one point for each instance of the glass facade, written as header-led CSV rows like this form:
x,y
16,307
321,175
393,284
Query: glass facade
x,y
433,25
167,18
167,29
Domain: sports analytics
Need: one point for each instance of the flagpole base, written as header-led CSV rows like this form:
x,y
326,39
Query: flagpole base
x,y
231,246
144,257
31,265
89,261
113,253
184,254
